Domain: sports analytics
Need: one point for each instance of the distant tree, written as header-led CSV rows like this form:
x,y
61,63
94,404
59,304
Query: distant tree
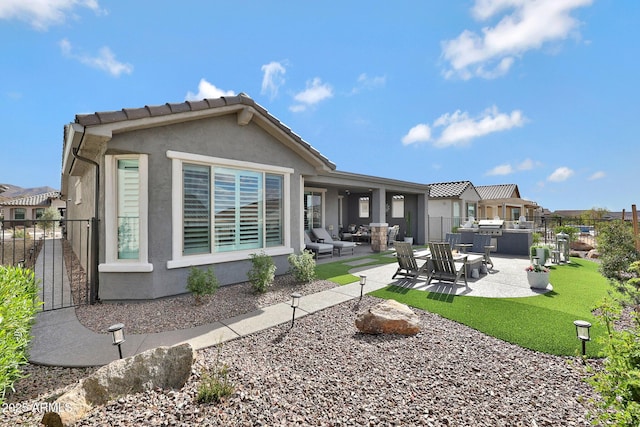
x,y
49,218
594,214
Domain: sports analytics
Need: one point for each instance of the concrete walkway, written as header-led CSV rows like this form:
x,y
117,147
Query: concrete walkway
x,y
60,339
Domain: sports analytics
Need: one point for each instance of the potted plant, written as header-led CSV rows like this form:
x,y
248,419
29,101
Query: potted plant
x,y
408,236
537,276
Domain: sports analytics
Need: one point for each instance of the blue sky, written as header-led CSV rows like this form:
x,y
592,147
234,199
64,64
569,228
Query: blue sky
x,y
539,93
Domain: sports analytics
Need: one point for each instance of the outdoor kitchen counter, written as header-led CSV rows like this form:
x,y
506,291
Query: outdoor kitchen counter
x,y
511,242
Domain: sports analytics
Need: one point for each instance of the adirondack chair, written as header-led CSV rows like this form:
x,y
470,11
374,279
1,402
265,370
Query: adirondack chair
x,y
443,267
407,263
452,239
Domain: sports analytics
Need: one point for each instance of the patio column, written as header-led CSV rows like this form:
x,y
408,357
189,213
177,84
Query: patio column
x,y
378,203
379,236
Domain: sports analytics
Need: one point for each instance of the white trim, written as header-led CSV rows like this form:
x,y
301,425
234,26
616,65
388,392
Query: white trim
x,y
125,268
178,259
218,161
112,263
205,259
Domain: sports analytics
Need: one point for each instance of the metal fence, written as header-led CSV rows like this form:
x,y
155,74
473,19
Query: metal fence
x,y
45,247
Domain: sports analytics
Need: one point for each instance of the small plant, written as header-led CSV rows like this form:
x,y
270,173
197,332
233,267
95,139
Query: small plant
x,y
262,273
408,232
303,266
536,238
201,283
215,383
537,268
49,218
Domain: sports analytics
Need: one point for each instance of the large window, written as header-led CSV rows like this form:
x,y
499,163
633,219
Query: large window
x,y
471,211
19,213
126,207
227,209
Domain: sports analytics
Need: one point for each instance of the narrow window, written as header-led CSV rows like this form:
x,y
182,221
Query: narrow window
x,y
274,212
397,206
364,207
128,209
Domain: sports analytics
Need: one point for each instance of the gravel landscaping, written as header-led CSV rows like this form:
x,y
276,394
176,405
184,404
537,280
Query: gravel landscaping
x,y
323,372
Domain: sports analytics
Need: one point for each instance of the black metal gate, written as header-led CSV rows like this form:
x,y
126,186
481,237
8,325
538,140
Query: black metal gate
x,y
61,254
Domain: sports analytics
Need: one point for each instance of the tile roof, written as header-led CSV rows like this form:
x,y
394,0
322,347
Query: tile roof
x,y
448,189
106,117
36,200
501,191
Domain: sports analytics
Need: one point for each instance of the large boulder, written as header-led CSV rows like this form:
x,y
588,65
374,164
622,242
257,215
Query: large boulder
x,y
581,246
388,317
162,367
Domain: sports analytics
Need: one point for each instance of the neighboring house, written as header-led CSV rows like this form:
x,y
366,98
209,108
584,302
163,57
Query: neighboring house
x,y
504,201
457,200
211,182
21,210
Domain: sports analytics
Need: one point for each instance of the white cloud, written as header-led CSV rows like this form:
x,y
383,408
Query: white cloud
x,y
43,13
315,92
460,128
505,169
273,78
418,133
525,165
508,169
597,175
366,82
526,25
207,90
560,174
105,60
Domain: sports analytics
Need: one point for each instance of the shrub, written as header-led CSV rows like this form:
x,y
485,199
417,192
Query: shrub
x,y
201,283
566,229
49,218
262,273
303,266
215,383
18,306
616,246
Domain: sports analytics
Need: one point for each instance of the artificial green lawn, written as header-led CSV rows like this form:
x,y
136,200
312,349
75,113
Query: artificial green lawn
x,y
543,323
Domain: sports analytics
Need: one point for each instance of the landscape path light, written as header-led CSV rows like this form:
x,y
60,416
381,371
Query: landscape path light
x,y
117,334
363,281
582,331
295,302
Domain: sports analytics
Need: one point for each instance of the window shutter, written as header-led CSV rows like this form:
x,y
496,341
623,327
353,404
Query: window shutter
x,y
273,210
196,209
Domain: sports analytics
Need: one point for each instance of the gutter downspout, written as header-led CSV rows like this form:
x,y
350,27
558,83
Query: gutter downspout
x,y
95,250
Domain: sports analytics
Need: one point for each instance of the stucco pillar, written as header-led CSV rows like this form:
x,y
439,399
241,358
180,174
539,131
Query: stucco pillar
x,y
379,236
378,212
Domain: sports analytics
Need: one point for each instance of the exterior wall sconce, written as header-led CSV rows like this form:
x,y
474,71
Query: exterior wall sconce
x,y
582,331
363,281
295,302
117,334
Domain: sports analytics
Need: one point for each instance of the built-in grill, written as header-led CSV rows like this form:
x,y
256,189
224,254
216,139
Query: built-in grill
x,y
492,227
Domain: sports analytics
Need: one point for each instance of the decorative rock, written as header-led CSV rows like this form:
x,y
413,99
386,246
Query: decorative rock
x,y
593,254
581,246
388,317
52,419
162,367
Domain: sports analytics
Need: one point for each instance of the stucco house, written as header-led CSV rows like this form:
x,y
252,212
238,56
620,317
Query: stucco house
x,y
504,201
451,204
211,182
21,210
